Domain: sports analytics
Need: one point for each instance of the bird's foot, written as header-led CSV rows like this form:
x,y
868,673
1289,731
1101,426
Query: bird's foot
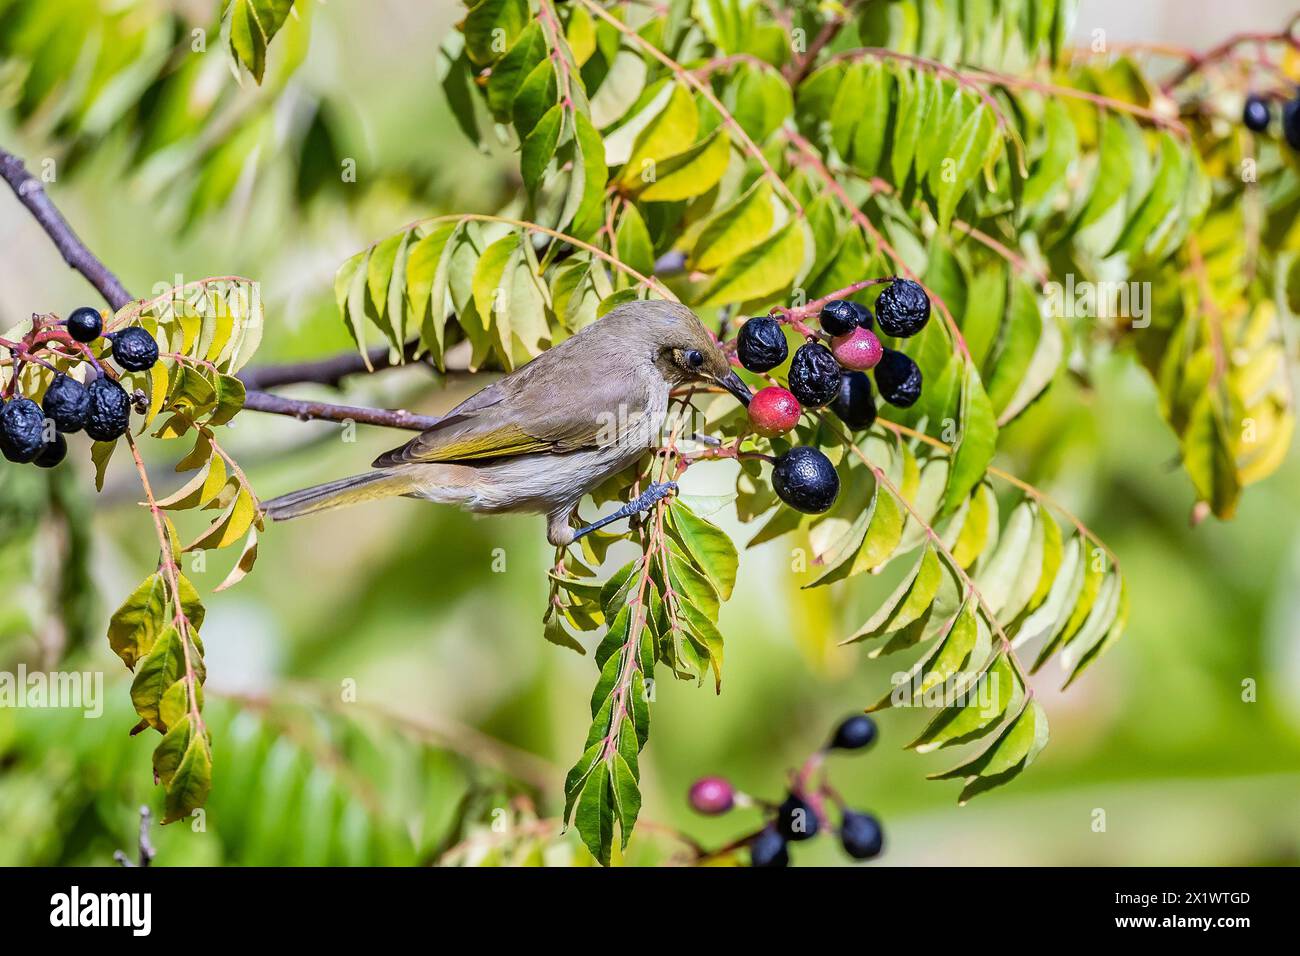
x,y
656,493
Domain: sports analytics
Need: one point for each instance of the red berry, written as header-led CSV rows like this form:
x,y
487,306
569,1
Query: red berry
x,y
712,795
859,350
774,411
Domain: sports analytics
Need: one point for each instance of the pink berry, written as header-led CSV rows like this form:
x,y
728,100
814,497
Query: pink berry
x,y
859,350
712,795
774,411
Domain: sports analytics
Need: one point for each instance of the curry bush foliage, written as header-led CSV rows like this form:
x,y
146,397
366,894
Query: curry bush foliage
x,y
748,158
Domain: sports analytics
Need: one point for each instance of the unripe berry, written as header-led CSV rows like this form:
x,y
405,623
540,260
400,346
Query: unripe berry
x,y
805,479
769,850
859,350
85,324
134,349
774,411
903,308
861,836
1256,114
53,452
22,430
854,733
761,344
795,819
898,379
814,375
110,410
67,403
712,795
854,405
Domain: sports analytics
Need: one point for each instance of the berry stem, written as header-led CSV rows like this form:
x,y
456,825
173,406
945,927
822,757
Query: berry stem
x,y
807,156
1034,492
689,78
172,576
968,583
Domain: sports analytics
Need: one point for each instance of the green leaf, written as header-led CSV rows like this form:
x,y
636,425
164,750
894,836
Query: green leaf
x,y
509,73
539,148
766,268
1014,749
981,702
491,27
584,201
970,150
594,814
690,173
709,546
627,796
163,666
632,241
135,626
908,602
189,786
1028,355
734,229
976,441
669,132
253,24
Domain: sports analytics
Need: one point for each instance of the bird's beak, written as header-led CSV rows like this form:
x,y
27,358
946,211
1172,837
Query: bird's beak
x,y
732,383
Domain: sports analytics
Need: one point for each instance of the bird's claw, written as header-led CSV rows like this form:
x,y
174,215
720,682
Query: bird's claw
x,y
655,493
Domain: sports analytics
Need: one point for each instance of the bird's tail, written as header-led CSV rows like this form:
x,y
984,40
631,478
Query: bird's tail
x,y
336,494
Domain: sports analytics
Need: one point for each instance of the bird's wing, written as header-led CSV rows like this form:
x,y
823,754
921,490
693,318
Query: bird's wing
x,y
540,408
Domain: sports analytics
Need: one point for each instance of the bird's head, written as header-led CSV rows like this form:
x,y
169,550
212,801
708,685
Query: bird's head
x,y
679,345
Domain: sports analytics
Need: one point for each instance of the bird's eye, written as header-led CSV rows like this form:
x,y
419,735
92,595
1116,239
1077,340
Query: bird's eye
x,y
694,358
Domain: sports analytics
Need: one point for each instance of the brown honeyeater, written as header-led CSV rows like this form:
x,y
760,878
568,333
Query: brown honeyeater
x,y
544,436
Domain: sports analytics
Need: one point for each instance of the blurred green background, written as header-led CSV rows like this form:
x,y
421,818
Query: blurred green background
x,y
463,709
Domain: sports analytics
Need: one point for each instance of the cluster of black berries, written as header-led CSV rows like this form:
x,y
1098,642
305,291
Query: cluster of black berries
x,y
802,815
1257,114
836,376
31,433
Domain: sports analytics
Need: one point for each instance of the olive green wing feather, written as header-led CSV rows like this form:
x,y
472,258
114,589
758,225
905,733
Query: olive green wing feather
x,y
533,410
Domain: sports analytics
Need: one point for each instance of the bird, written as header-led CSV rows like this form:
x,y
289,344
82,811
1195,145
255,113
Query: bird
x,y
539,439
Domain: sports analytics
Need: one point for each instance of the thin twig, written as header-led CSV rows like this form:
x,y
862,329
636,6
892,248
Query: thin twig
x,y
310,411
32,194
145,848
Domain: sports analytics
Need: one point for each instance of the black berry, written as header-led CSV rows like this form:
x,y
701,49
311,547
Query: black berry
x,y
855,405
66,403
1256,114
814,375
134,349
854,733
22,430
860,835
863,314
1291,123
795,819
838,317
110,410
805,479
761,345
53,452
903,308
85,324
898,379
769,850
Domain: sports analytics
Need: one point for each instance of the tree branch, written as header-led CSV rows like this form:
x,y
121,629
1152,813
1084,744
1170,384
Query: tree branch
x,y
330,371
32,194
309,411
